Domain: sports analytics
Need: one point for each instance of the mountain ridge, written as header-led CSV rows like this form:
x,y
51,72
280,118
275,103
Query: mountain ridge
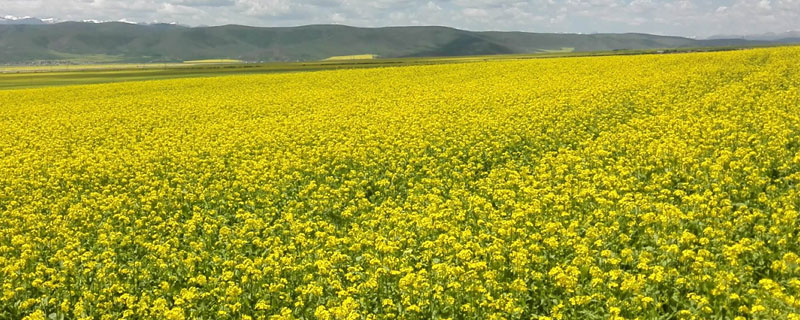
x,y
787,36
127,42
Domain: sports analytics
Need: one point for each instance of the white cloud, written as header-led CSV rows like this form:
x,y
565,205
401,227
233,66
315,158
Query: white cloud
x,y
680,17
475,13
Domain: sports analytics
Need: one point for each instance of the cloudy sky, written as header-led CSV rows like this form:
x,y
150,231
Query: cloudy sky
x,y
675,17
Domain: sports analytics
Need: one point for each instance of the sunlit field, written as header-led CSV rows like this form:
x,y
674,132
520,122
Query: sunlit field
x,y
630,187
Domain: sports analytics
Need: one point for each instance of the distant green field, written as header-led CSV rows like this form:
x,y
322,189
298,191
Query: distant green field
x,y
43,76
353,57
40,77
87,67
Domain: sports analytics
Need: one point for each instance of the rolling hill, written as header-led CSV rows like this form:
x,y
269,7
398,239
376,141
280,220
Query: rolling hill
x,y
124,42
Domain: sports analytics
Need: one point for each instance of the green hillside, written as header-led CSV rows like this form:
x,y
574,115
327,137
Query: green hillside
x,y
121,42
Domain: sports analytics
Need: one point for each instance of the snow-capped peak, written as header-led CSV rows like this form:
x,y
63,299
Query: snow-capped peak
x,y
13,18
9,19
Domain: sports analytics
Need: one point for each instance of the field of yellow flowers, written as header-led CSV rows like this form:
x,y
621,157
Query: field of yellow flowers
x,y
637,187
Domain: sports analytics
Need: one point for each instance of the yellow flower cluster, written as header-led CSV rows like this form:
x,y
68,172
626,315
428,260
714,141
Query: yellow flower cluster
x,y
636,187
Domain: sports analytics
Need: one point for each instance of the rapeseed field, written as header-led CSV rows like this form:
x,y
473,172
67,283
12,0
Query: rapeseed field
x,y
635,187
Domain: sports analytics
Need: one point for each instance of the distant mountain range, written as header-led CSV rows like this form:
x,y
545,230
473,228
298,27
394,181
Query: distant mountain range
x,y
32,40
786,37
6,20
